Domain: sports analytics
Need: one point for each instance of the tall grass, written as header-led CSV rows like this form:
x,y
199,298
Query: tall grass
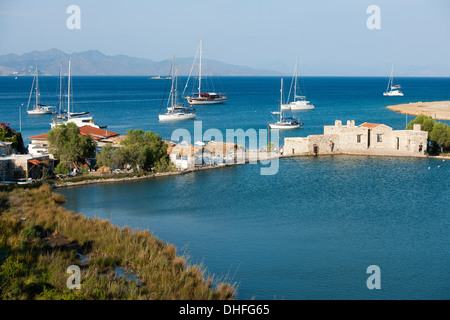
x,y
162,273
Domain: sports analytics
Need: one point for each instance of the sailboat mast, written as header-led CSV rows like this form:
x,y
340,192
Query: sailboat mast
x,y
296,74
68,94
281,98
172,89
392,76
390,79
60,87
200,71
37,88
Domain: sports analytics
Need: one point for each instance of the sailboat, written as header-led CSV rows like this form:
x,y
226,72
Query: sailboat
x,y
299,103
38,108
176,111
80,119
284,123
202,97
393,88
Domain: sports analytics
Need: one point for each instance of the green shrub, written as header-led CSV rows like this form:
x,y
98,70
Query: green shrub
x,y
61,168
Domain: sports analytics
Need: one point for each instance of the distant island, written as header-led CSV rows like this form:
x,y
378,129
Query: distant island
x,y
437,110
95,63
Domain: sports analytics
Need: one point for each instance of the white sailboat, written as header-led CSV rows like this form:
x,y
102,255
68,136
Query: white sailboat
x,y
392,90
38,108
176,111
80,119
299,103
284,123
202,97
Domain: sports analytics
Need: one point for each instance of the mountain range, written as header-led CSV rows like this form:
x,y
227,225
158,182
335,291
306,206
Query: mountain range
x,y
95,63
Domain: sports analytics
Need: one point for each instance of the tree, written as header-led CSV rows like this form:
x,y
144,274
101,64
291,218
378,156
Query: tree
x,y
8,134
61,168
108,157
440,134
426,123
142,149
67,144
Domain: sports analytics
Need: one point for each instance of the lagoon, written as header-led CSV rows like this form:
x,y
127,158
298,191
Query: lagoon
x,y
308,232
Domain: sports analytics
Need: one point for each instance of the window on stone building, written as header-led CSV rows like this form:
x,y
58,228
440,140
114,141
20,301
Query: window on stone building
x,y
358,138
379,138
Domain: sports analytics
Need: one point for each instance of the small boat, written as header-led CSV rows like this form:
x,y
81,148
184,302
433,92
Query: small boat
x,y
38,108
176,111
25,181
284,123
393,92
200,97
299,102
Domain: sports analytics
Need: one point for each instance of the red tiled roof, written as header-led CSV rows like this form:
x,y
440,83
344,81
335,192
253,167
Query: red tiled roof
x,y
40,136
95,133
369,125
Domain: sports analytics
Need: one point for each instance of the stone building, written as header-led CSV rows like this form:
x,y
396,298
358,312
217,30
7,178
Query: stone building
x,y
365,139
20,166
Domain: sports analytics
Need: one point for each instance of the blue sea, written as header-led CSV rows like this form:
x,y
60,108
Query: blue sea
x,y
308,232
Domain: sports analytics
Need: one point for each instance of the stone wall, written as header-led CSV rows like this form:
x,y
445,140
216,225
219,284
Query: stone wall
x,y
375,139
11,169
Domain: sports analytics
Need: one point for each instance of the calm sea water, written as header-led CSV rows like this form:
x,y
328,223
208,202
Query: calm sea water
x,y
308,232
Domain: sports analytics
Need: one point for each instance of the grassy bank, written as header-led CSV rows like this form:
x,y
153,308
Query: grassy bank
x,y
39,239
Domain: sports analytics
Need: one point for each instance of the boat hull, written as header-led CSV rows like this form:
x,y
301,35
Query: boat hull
x,y
39,112
176,116
80,122
197,101
394,93
301,106
284,126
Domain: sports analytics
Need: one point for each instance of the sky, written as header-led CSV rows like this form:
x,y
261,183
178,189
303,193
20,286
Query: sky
x,y
331,37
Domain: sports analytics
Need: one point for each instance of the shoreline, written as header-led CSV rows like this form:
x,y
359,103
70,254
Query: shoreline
x,y
438,110
176,173
135,178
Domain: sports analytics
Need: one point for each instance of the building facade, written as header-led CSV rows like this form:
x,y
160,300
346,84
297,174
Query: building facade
x,y
365,139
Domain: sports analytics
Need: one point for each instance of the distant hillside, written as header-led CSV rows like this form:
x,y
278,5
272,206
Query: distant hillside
x,y
95,63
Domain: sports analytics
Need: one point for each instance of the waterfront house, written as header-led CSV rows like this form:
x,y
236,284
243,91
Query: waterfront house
x,y
19,166
186,156
39,143
220,153
365,139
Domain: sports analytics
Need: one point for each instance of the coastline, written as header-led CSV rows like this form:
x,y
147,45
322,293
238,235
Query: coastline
x,y
176,173
439,110
135,178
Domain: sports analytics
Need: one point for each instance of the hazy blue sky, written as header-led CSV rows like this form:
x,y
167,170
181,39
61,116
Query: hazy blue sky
x,y
331,36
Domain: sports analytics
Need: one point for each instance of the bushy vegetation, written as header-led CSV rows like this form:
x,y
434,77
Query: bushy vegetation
x,y
141,150
62,169
7,134
438,132
36,251
67,144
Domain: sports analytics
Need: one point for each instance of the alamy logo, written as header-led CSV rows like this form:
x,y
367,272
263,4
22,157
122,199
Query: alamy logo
x,y
74,20
74,281
374,281
374,20
255,139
